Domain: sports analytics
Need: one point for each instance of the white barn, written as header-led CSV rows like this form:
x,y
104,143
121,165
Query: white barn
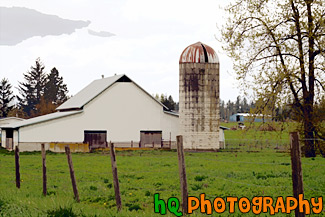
x,y
109,109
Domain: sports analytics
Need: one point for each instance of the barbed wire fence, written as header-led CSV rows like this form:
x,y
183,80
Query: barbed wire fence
x,y
34,173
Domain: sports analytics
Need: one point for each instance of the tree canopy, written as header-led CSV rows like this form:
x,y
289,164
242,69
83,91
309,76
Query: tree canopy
x,y
278,48
41,93
55,91
6,97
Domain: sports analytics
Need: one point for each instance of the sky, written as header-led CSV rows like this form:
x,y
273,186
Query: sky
x,y
86,39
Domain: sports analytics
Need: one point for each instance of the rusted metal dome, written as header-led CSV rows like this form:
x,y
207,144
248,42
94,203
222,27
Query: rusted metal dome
x,y
199,53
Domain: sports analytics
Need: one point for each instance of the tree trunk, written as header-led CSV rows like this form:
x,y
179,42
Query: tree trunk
x,y
309,131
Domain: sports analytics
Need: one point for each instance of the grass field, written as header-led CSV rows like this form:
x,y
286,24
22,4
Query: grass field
x,y
143,173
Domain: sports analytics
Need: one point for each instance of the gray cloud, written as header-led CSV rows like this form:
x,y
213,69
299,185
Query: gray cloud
x,y
101,33
18,24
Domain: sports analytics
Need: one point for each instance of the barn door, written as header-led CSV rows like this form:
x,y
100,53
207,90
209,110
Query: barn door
x,y
95,139
150,138
9,139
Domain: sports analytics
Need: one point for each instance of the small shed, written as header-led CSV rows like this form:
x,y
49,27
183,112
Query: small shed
x,y
8,120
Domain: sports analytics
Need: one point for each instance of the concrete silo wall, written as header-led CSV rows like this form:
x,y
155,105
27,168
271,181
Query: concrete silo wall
x,y
199,105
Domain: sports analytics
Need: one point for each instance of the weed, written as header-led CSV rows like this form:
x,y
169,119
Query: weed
x,y
62,212
200,178
196,187
93,188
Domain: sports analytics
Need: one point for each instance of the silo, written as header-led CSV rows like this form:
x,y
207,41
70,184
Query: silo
x,y
199,97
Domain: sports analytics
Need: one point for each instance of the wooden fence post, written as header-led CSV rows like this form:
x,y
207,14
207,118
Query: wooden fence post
x,y
296,169
115,177
182,173
44,170
73,178
17,167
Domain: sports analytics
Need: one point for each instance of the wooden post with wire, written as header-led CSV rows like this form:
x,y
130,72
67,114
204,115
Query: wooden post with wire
x,y
44,169
182,173
115,177
17,165
73,178
297,182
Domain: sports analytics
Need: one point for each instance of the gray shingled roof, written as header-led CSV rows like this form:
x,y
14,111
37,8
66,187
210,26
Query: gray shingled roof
x,y
40,119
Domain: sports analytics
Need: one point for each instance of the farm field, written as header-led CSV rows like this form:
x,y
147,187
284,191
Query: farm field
x,y
142,174
256,135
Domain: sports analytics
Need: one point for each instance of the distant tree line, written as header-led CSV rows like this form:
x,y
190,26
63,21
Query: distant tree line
x,y
283,112
39,93
167,101
238,106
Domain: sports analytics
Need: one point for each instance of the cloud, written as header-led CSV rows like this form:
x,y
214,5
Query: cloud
x,y
18,24
101,33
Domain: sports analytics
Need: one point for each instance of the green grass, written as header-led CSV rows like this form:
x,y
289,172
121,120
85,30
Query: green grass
x,y
259,136
144,173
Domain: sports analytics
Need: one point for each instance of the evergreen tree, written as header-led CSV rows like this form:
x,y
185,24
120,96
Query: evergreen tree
x,y
222,110
245,106
55,91
238,107
6,97
167,101
32,88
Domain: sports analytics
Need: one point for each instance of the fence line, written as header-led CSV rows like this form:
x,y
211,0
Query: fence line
x,y
188,156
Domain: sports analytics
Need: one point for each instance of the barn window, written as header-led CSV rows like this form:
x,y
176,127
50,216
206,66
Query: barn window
x,y
150,138
95,139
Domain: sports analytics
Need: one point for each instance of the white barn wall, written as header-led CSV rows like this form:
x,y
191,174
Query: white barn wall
x,y
170,125
123,110
3,138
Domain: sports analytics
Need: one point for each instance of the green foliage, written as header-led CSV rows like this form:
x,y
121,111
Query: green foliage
x,y
133,207
200,178
62,212
55,91
2,205
196,187
32,88
93,188
6,97
278,52
40,93
167,101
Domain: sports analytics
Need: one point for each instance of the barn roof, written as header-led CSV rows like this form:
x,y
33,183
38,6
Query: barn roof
x,y
40,119
94,89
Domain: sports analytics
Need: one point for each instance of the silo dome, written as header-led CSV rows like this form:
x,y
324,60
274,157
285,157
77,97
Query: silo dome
x,y
199,53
